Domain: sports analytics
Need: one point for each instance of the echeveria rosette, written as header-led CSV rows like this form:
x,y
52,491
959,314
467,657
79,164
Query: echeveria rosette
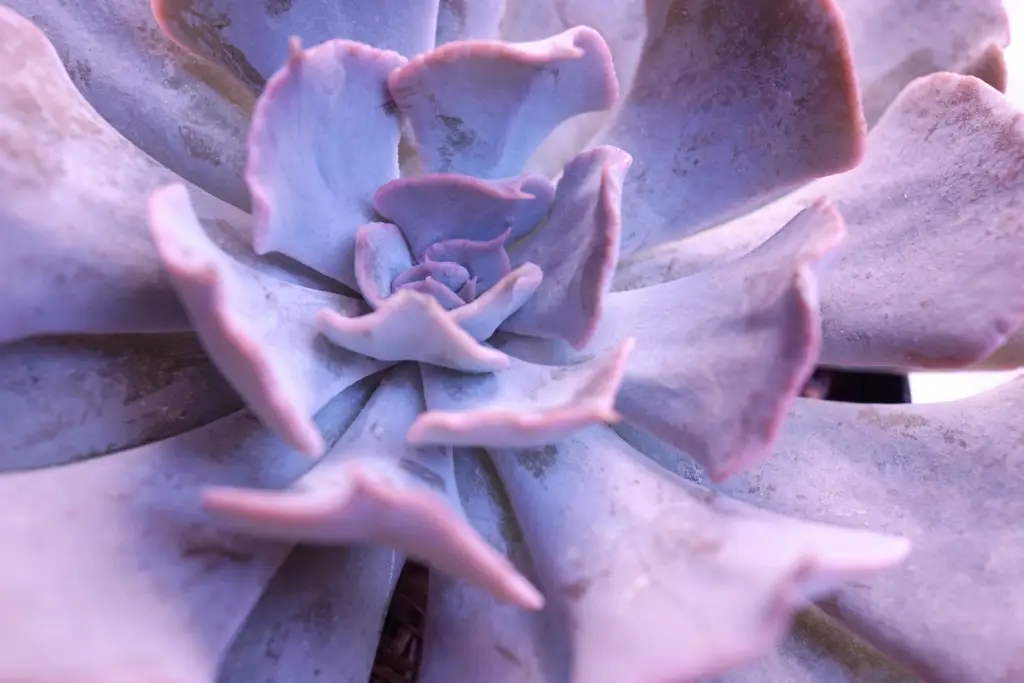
x,y
625,553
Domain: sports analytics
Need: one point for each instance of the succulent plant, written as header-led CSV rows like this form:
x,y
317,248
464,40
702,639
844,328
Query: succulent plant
x,y
526,292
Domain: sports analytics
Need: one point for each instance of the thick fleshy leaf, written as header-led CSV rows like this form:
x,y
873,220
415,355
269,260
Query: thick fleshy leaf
x,y
483,107
373,487
577,249
445,206
706,249
76,257
481,317
661,579
472,637
260,331
182,112
934,214
622,24
320,618
486,261
411,326
950,477
381,255
719,355
251,40
734,101
897,41
113,572
324,137
530,405
468,19
451,276
74,398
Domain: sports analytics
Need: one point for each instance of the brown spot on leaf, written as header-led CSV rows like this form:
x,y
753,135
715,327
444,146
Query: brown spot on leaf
x,y
576,589
536,461
423,473
508,654
276,8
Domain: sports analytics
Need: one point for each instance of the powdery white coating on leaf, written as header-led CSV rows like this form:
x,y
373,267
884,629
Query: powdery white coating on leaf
x,y
129,552
734,101
661,579
320,616
374,488
949,476
577,249
261,332
250,39
531,88
323,139
530,405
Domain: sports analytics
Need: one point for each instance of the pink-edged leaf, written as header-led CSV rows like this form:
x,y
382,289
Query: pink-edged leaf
x,y
113,572
487,262
411,326
181,111
719,355
445,206
73,398
251,40
623,26
951,478
470,636
373,487
483,107
260,331
481,317
931,274
320,617
734,101
324,137
529,405
897,41
381,255
577,249
659,578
